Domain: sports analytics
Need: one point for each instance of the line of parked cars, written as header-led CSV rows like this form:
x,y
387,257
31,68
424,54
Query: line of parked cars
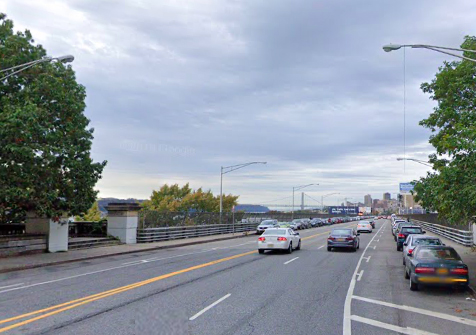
x,y
427,260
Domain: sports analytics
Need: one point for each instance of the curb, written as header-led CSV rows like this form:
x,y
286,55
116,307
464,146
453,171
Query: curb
x,y
34,266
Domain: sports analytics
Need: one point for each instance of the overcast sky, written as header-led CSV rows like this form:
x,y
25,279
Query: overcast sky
x,y
178,88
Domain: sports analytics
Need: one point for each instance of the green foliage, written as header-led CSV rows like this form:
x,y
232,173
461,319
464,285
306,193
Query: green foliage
x,y
93,214
451,189
45,143
182,199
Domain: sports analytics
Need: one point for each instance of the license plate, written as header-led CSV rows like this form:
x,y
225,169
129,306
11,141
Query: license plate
x,y
442,271
341,239
270,245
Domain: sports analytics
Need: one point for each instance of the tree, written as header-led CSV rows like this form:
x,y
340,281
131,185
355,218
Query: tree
x,y
182,199
451,188
93,214
45,143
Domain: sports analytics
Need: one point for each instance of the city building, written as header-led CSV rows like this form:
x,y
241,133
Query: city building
x,y
387,196
368,200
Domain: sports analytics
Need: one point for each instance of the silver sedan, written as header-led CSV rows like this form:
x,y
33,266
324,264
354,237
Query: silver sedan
x,y
279,239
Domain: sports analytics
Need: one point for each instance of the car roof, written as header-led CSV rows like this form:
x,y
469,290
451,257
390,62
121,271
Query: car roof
x,y
426,237
411,226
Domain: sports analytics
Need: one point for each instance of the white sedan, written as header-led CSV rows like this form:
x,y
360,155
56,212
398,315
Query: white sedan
x,y
364,226
279,239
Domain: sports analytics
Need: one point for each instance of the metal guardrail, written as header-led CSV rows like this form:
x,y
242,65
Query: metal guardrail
x,y
464,237
172,233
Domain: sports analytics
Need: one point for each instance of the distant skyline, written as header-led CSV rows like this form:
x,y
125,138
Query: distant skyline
x,y
176,89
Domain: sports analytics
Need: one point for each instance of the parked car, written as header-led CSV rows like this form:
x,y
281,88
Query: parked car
x,y
364,226
413,240
404,232
316,222
296,224
284,225
265,225
398,226
279,239
436,265
343,238
306,223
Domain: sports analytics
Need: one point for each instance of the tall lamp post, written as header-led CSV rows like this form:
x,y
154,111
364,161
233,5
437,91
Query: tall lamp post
x,y
393,47
415,160
22,67
297,188
228,169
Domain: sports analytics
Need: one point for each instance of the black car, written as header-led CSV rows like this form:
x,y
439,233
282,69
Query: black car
x,y
436,265
404,232
343,238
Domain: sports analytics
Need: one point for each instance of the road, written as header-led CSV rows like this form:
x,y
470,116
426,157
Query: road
x,y
228,288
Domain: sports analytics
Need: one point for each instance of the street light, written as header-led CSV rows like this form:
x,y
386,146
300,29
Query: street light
x,y
393,47
23,67
415,160
228,169
297,188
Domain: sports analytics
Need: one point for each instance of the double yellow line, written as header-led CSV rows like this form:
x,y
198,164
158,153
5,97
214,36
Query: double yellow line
x,y
53,310
86,300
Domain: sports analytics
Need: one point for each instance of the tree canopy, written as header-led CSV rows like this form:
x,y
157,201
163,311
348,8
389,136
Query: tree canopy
x,y
182,199
45,142
451,188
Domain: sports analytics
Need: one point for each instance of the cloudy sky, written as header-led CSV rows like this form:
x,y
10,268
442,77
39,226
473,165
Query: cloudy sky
x,y
178,88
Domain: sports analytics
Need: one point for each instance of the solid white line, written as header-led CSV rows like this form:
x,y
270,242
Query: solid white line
x,y
347,327
19,284
419,310
211,306
322,246
290,260
359,275
124,265
401,330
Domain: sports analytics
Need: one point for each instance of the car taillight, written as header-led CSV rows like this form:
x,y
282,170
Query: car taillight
x,y
410,251
424,270
282,239
349,239
261,239
331,238
401,235
459,271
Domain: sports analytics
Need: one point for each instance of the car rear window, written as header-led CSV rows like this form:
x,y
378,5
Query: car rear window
x,y
435,254
412,230
267,222
426,241
275,232
341,232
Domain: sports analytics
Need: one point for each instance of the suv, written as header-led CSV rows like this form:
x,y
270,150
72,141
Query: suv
x,y
404,232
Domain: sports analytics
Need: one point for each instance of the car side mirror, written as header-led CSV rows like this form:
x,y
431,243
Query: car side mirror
x,y
410,255
358,234
405,244
443,244
296,233
423,232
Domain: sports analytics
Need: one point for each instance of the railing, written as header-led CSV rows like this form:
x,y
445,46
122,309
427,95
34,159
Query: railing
x,y
173,233
12,229
463,237
88,229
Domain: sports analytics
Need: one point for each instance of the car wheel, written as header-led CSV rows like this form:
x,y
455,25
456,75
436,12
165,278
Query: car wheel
x,y
299,245
290,248
413,285
358,245
406,274
261,251
404,261
398,248
329,248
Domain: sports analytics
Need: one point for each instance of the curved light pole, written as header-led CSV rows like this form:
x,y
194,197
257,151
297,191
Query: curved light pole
x,y
297,188
23,67
393,47
415,160
228,169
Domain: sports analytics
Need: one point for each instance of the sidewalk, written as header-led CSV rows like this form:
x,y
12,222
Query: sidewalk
x,y
467,255
10,264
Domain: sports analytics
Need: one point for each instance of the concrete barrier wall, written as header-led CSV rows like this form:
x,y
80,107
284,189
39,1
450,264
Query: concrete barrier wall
x,y
14,246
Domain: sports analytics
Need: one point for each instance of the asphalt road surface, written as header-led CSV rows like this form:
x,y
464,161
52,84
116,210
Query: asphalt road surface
x,y
228,288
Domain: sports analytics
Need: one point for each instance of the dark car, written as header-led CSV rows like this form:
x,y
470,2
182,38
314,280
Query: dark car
x,y
436,265
343,238
404,232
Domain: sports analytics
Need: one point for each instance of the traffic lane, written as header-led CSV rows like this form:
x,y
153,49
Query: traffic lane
x,y
268,271
188,281
16,280
24,301
383,281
